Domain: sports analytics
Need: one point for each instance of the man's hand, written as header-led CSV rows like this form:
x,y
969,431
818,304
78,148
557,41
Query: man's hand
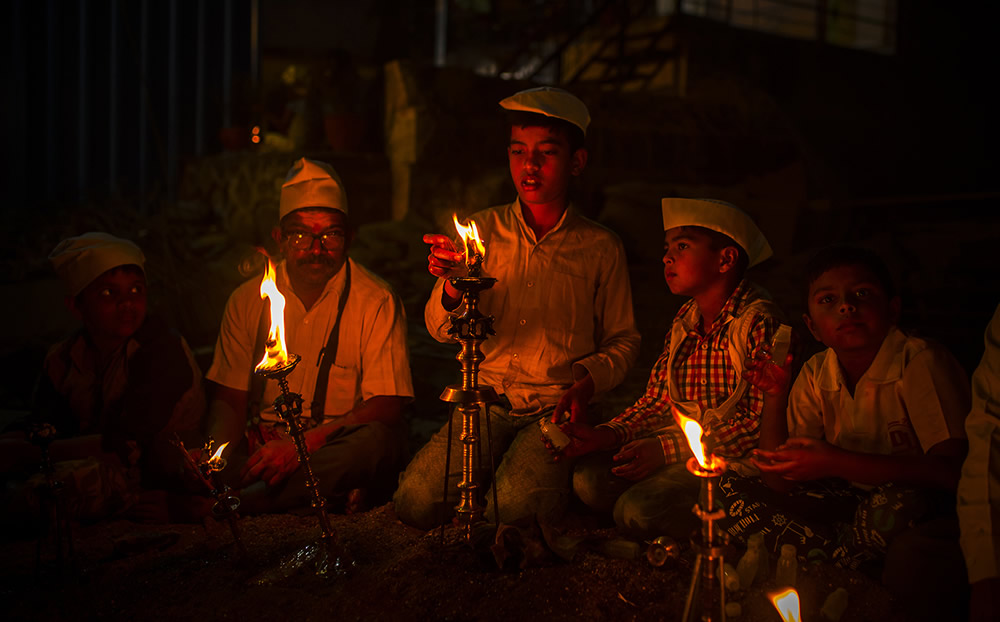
x,y
799,459
272,463
583,439
767,376
638,459
575,401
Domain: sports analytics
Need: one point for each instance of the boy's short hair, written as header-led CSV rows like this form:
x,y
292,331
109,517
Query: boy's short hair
x,y
719,241
572,133
842,255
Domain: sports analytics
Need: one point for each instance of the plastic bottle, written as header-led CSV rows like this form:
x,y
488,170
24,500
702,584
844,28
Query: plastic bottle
x,y
834,605
731,578
620,548
786,572
746,569
553,433
764,563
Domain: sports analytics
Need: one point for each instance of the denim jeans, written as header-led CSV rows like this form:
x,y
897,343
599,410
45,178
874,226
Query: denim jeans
x,y
528,482
658,505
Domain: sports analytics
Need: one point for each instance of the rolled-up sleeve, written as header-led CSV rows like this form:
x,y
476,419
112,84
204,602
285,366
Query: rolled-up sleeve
x,y
979,488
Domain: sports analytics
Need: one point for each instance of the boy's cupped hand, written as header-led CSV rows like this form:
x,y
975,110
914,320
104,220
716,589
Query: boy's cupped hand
x,y
638,459
444,260
799,459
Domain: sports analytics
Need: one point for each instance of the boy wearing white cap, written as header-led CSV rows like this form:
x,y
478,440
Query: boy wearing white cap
x,y
350,330
564,325
120,388
636,467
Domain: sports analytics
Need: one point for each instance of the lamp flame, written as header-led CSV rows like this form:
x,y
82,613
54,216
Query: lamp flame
x,y
693,432
470,237
218,453
787,604
275,354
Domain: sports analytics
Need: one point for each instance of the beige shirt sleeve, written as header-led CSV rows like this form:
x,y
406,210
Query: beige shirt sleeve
x,y
935,391
805,404
979,488
617,339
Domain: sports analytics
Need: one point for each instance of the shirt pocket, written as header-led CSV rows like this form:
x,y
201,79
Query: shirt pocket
x,y
343,390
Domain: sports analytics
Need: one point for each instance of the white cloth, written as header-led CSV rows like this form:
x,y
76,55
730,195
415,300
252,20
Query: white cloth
x,y
912,397
372,357
563,307
979,488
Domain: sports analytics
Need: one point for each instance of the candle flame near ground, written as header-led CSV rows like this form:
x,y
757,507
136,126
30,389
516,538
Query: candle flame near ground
x,y
218,453
275,353
470,238
787,604
693,433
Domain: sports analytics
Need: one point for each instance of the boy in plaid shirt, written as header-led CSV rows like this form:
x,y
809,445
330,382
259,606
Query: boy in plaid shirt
x,y
634,464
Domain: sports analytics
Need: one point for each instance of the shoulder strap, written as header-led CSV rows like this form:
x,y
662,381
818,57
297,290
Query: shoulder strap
x,y
329,353
257,382
739,333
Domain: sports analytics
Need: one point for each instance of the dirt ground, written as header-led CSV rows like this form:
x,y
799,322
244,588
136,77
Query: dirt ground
x,y
126,571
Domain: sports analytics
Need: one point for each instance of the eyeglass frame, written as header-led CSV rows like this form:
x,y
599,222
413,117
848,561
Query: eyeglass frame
x,y
338,236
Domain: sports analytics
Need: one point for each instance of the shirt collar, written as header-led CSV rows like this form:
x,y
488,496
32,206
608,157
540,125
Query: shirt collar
x,y
567,218
737,301
887,366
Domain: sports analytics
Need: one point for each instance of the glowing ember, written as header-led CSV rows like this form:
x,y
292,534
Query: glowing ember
x,y
275,355
693,433
787,604
218,453
470,237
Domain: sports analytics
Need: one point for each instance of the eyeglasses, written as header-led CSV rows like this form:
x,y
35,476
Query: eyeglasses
x,y
300,241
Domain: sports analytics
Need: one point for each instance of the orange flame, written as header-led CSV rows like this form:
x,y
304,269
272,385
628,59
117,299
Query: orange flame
x,y
693,433
470,237
218,453
275,354
787,604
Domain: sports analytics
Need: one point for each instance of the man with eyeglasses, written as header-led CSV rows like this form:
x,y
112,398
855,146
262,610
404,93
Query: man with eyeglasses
x,y
354,377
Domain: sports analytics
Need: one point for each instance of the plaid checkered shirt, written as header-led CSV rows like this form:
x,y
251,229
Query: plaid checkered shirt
x,y
704,374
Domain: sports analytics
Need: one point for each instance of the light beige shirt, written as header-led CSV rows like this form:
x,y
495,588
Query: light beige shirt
x,y
913,396
372,357
979,488
563,308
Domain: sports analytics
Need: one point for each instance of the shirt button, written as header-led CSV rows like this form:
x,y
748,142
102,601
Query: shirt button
x,y
522,322
531,283
704,381
704,346
515,356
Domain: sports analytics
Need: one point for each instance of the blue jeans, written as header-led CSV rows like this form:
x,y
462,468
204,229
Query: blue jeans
x,y
658,505
528,482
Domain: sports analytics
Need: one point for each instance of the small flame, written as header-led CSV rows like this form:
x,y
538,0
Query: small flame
x,y
218,453
275,354
470,237
693,433
787,604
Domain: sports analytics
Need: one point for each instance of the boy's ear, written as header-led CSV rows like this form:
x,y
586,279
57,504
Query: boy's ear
x,y
812,328
578,161
276,235
728,257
